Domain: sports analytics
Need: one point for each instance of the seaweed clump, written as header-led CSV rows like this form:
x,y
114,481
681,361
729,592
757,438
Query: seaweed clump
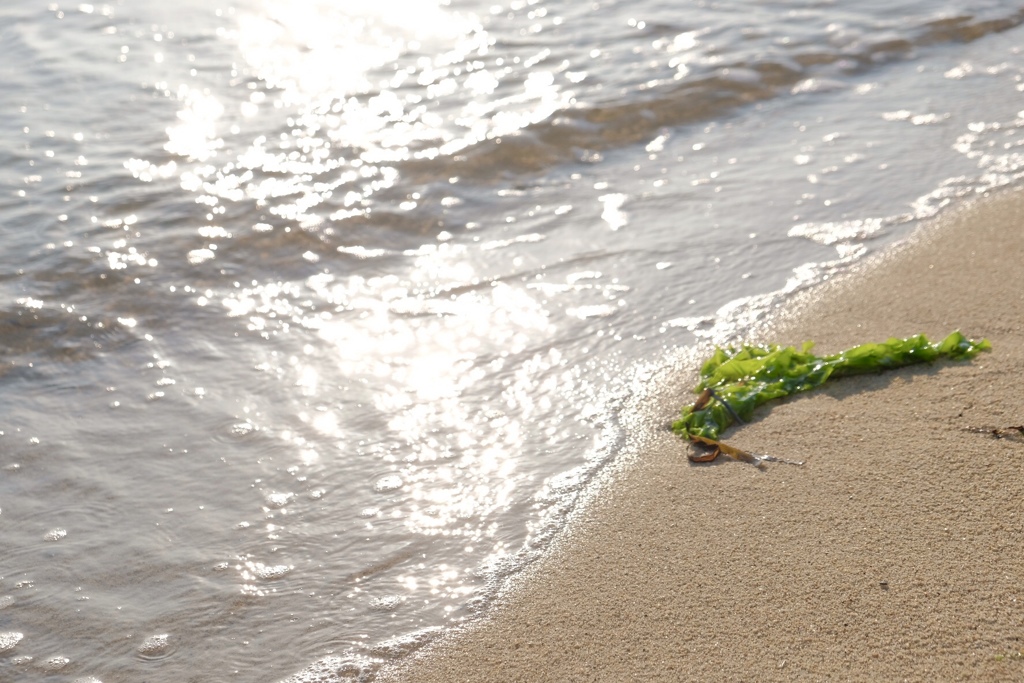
x,y
735,381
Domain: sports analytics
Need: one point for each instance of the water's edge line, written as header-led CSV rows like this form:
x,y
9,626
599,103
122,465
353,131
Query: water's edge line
x,y
653,406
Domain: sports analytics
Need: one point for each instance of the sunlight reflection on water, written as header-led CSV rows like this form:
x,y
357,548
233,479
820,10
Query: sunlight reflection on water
x,y
426,357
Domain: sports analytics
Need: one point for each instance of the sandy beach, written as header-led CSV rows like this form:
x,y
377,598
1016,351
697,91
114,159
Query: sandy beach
x,y
893,553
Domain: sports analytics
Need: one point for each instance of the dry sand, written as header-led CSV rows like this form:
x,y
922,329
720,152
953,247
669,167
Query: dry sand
x,y
895,553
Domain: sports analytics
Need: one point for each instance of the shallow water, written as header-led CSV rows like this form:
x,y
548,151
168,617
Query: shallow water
x,y
318,316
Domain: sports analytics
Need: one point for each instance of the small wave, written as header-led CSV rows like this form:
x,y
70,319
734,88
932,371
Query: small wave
x,y
638,115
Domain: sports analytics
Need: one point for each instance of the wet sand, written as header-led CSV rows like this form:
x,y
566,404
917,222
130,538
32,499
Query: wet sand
x,y
896,552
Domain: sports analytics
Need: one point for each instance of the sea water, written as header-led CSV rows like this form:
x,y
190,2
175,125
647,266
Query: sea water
x,y
317,316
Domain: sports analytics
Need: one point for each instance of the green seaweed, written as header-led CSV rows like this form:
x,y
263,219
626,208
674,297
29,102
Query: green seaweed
x,y
736,381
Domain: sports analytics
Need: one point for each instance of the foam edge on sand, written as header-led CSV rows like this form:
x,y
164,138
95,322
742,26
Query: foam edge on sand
x,y
894,552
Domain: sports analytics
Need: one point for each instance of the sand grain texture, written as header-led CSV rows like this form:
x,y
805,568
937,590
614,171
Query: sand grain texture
x,y
895,553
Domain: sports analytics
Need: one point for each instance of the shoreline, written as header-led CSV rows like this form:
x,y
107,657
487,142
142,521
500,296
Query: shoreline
x,y
894,552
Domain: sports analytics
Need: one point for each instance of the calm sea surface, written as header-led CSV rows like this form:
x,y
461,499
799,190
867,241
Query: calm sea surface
x,y
316,316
